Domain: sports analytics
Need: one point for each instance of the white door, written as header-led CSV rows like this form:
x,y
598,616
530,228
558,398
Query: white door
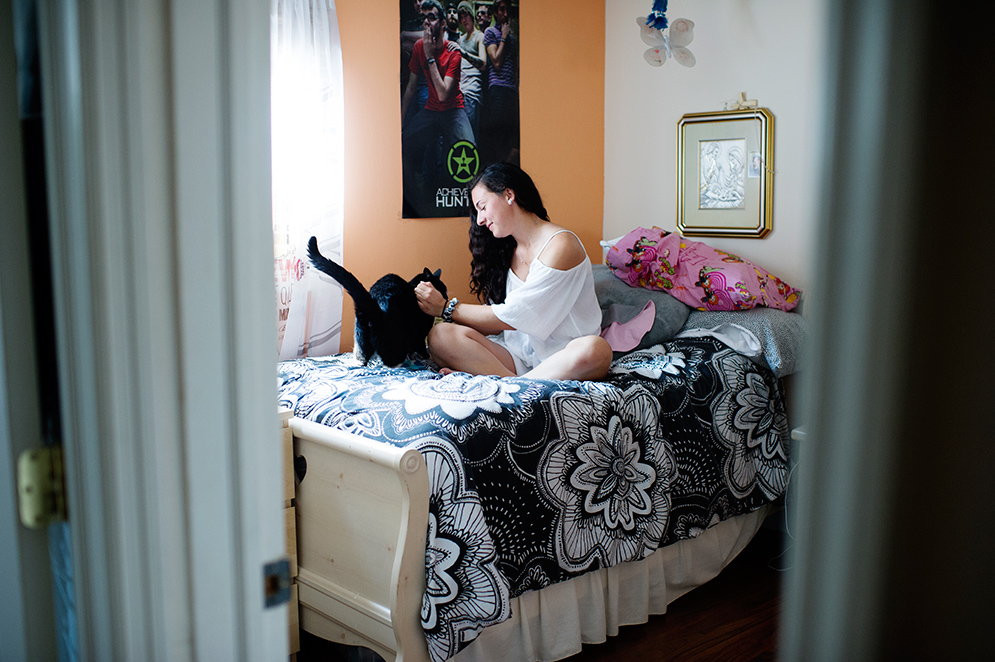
x,y
27,630
157,145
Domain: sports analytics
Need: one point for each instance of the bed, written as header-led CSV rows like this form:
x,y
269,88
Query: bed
x,y
475,518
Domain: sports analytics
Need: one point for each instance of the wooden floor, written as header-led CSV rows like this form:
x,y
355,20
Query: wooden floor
x,y
733,618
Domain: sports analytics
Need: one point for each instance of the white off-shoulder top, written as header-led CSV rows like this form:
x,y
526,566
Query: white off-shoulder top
x,y
548,309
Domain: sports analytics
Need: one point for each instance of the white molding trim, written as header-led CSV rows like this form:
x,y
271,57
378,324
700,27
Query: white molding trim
x,y
158,122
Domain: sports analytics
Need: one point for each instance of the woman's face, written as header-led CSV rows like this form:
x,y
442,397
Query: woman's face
x,y
466,21
493,209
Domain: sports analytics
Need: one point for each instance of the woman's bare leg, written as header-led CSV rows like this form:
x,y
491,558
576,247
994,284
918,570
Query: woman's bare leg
x,y
586,358
457,348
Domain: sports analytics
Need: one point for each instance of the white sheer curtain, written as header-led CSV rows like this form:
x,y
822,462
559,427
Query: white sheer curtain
x,y
307,135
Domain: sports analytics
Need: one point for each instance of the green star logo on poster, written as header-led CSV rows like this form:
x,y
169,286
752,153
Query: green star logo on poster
x,y
463,161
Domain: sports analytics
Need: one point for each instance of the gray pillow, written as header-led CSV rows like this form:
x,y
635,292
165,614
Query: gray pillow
x,y
782,335
616,298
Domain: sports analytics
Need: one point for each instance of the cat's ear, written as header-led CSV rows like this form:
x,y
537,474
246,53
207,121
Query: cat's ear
x,y
438,273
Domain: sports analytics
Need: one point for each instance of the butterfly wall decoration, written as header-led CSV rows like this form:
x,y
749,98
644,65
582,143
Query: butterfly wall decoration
x,y
672,44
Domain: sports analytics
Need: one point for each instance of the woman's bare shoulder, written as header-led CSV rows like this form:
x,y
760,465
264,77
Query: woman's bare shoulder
x,y
564,250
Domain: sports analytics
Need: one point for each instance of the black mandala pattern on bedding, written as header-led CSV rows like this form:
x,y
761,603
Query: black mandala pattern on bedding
x,y
534,482
608,476
464,592
750,421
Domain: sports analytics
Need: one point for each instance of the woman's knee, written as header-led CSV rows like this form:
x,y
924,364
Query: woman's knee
x,y
601,355
446,333
436,334
593,355
444,340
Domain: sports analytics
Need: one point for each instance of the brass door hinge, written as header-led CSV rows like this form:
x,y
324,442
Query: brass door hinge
x,y
40,487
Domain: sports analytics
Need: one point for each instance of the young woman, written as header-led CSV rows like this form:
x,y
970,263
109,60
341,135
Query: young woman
x,y
541,318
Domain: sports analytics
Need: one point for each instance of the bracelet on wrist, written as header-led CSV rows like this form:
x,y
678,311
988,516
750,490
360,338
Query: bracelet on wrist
x,y
447,312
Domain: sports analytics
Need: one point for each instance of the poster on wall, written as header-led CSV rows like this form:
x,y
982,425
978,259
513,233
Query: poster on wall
x,y
459,99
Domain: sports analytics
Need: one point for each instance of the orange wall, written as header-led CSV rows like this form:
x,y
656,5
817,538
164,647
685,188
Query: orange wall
x,y
562,116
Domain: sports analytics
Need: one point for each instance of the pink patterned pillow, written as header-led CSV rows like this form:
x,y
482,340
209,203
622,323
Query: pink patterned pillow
x,y
703,277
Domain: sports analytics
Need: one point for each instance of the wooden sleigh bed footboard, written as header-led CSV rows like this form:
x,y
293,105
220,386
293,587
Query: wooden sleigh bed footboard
x,y
362,508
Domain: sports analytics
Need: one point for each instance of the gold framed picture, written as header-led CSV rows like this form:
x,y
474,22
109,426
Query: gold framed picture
x,y
725,183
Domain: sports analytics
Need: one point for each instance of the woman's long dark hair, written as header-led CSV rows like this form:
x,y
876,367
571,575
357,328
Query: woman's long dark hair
x,y
491,257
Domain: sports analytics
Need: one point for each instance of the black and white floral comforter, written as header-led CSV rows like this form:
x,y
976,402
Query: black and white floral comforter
x,y
534,482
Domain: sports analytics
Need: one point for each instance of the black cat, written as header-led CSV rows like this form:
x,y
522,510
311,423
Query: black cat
x,y
388,319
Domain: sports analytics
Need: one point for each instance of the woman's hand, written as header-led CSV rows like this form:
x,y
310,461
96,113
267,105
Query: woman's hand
x,y
430,300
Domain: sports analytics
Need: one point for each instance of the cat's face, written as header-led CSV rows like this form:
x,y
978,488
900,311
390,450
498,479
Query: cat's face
x,y
431,277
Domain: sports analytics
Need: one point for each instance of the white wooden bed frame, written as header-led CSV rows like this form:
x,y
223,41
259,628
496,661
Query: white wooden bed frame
x,y
362,522
362,518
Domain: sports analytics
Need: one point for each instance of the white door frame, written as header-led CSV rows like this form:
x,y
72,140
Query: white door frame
x,y
26,611
157,143
891,500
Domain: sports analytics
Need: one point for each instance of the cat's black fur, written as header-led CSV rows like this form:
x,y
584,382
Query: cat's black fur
x,y
388,320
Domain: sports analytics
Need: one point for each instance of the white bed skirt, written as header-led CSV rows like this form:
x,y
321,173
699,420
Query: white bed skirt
x,y
553,623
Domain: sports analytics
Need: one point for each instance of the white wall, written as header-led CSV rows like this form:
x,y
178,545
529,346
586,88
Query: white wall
x,y
771,49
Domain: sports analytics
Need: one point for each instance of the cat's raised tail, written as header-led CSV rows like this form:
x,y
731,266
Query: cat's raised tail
x,y
361,296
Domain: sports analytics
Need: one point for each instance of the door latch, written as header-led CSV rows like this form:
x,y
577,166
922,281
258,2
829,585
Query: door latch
x,y
276,583
41,487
